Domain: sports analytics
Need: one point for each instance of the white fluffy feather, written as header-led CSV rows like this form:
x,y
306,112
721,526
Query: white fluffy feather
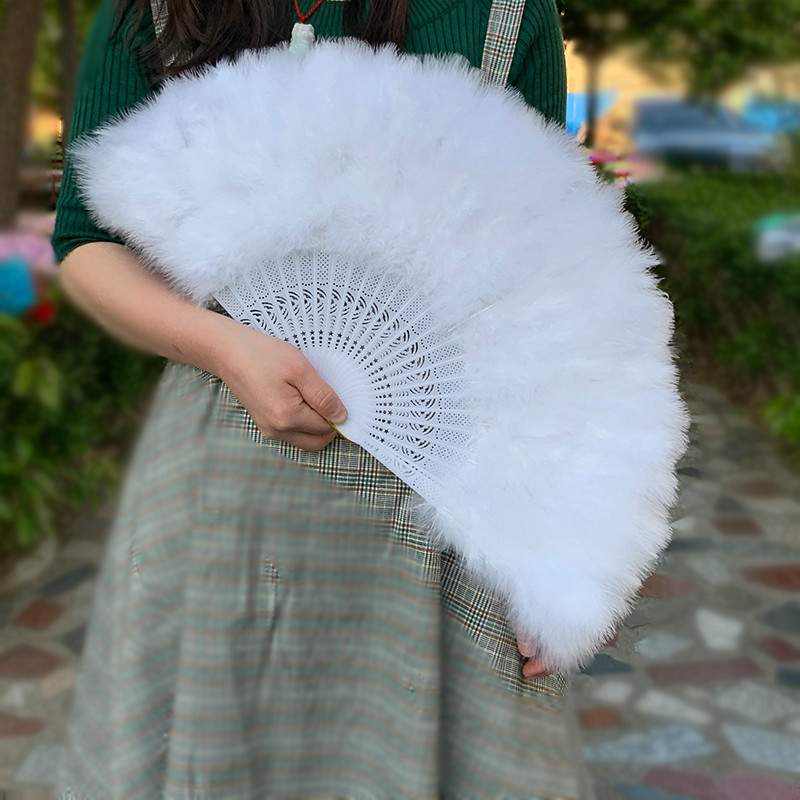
x,y
413,162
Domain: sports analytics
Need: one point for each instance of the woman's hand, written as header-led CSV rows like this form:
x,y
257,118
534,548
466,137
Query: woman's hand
x,y
280,389
273,380
533,667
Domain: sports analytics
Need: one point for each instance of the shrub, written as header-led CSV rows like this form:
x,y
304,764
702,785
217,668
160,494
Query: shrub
x,y
70,398
740,315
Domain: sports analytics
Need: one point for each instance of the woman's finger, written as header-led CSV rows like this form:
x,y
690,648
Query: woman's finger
x,y
526,646
319,395
308,441
305,419
533,668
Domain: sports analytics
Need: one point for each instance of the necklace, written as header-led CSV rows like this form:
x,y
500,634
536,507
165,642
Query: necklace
x,y
302,33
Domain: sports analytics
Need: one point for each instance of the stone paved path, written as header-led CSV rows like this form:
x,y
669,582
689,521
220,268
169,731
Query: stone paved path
x,y
698,698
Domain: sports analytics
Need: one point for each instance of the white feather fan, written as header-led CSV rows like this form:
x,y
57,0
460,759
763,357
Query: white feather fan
x,y
464,195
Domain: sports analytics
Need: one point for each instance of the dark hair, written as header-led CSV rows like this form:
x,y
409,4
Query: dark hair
x,y
202,32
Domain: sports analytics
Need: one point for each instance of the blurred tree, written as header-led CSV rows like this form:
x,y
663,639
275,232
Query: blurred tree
x,y
63,30
717,41
19,23
598,27
39,44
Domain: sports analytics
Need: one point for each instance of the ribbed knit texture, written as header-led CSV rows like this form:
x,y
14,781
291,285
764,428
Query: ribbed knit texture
x,y
113,78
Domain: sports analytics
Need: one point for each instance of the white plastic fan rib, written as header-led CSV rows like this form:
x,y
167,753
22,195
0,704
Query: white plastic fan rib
x,y
368,334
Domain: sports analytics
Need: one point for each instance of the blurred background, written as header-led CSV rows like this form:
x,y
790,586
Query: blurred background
x,y
691,108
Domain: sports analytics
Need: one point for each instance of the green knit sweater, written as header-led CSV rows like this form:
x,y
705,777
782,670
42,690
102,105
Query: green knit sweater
x,y
112,78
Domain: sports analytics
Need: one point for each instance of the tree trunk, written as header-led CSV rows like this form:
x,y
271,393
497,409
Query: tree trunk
x,y
69,62
593,61
18,28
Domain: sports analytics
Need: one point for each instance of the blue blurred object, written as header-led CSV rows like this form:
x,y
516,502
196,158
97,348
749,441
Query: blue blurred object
x,y
778,236
683,133
17,289
578,108
774,116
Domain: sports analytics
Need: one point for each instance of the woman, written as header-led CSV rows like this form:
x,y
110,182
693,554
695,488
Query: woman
x,y
269,621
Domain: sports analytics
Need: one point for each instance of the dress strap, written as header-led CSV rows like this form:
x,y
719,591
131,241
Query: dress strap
x,y
160,14
505,18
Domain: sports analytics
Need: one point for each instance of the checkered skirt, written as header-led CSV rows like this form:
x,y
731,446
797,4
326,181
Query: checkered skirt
x,y
271,623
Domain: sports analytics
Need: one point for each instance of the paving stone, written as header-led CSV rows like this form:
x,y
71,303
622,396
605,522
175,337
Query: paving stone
x,y
785,577
788,677
663,586
729,505
12,725
604,664
16,696
6,610
756,548
684,525
589,718
74,640
756,702
793,725
756,787
689,472
41,765
661,704
32,566
764,748
83,550
718,631
737,526
68,580
27,661
662,645
695,693
60,681
759,487
720,669
636,791
785,617
651,612
711,568
39,614
663,745
693,784
686,545
687,500
734,599
613,691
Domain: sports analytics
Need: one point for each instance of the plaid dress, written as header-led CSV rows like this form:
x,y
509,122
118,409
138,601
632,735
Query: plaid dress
x,y
271,623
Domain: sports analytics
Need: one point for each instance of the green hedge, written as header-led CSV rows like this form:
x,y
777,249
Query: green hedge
x,y
742,315
69,399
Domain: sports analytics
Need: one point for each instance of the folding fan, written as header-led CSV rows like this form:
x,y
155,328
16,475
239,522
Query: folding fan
x,y
452,266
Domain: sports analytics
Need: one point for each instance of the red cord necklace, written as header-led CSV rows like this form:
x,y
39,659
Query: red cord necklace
x,y
303,17
303,34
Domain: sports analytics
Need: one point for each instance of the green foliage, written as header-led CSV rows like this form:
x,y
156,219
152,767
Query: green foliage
x,y
715,42
47,71
718,41
599,26
68,399
744,313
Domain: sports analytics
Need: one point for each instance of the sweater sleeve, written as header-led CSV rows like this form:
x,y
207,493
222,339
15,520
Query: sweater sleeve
x,y
111,80
539,67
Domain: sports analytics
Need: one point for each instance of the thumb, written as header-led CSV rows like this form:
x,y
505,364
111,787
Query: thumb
x,y
321,397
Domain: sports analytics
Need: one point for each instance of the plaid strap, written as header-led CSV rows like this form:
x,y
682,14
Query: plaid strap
x,y
160,14
501,39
